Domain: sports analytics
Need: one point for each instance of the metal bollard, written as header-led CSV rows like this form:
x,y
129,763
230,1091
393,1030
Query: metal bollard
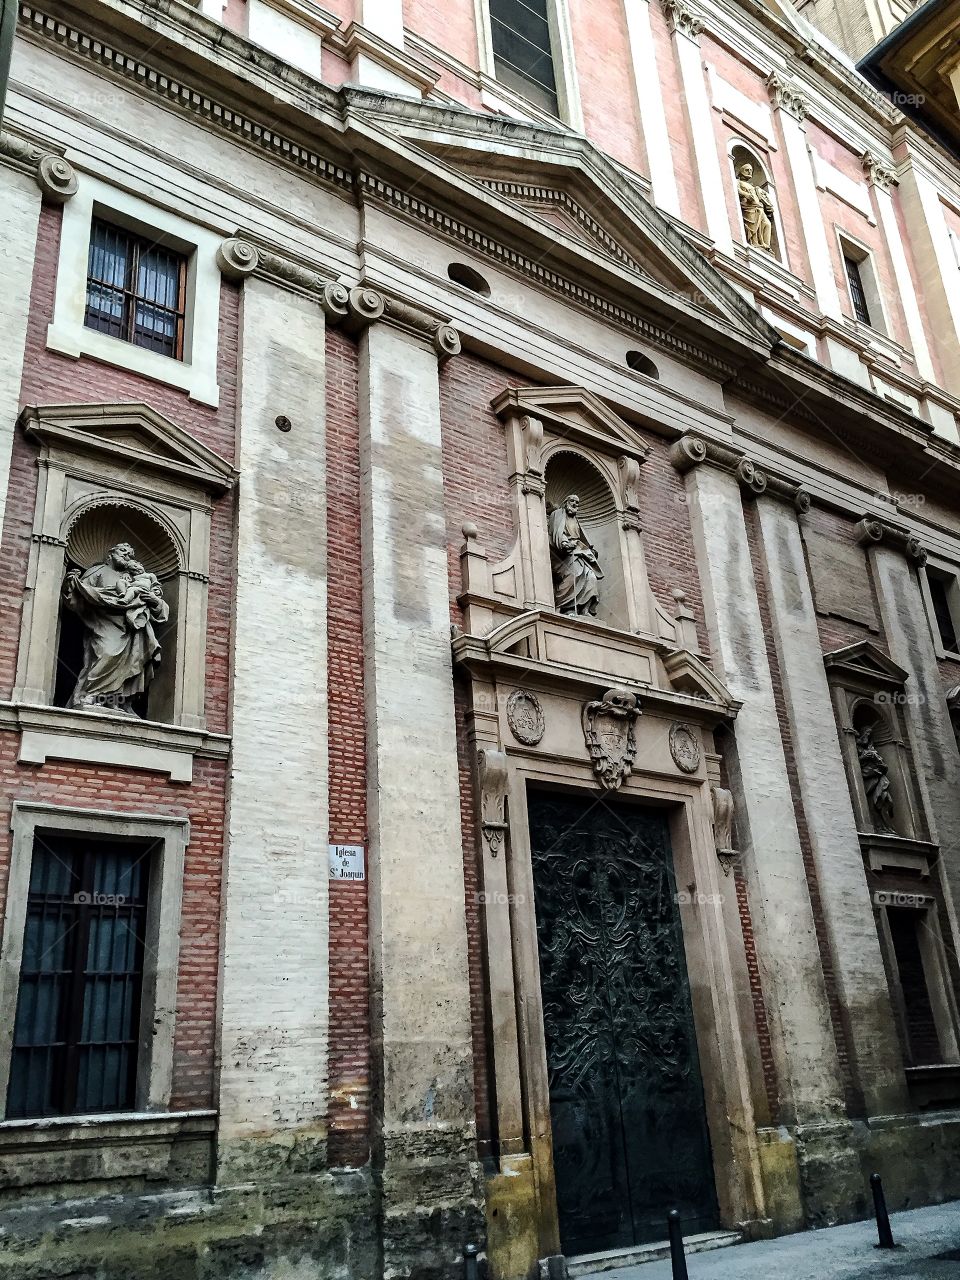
x,y
677,1259
471,1269
880,1209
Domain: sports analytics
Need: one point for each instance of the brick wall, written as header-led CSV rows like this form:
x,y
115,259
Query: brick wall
x,y
51,378
349,1115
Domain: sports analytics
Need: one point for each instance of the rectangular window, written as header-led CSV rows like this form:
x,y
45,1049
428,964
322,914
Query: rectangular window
x,y
923,1042
858,295
77,1028
523,51
942,586
136,290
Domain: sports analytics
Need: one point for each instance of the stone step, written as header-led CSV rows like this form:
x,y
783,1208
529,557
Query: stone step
x,y
588,1265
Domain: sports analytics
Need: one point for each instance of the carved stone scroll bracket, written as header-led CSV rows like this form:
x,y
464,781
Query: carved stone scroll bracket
x,y
872,530
54,175
57,179
787,96
531,435
493,775
727,855
610,735
629,472
237,259
879,173
692,451
683,18
361,306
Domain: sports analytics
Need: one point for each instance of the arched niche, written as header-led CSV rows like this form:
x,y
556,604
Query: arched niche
x,y
567,473
89,533
760,178
876,733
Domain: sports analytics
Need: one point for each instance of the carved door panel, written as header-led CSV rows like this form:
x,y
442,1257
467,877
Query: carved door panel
x,y
629,1130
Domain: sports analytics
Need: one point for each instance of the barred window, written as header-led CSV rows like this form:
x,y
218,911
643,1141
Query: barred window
x,y
136,289
77,1028
522,50
858,294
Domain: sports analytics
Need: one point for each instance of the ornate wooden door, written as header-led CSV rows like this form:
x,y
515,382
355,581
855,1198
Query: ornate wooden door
x,y
629,1131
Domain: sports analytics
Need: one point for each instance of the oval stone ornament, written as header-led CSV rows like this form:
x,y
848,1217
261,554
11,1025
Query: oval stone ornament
x,y
525,717
685,748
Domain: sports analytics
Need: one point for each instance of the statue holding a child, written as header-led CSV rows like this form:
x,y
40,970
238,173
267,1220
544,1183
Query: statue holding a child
x,y
119,603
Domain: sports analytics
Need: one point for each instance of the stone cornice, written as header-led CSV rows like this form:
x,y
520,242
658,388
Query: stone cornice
x,y
693,451
239,257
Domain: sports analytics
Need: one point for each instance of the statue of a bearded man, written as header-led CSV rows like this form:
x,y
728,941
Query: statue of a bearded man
x,y
118,603
756,205
573,560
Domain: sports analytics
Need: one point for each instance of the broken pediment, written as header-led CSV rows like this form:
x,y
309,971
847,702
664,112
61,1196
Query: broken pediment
x,y
128,434
864,662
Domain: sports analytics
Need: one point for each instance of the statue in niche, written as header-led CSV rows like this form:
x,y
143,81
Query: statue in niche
x,y
576,569
876,779
756,205
118,603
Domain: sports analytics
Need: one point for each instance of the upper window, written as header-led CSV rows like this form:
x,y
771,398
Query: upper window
x,y
945,606
136,290
523,50
858,296
77,1026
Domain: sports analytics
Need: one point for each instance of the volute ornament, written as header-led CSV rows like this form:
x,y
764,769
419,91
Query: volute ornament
x,y
525,717
492,769
609,733
57,179
237,259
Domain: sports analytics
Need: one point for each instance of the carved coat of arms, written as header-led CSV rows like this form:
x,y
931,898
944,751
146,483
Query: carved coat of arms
x,y
608,729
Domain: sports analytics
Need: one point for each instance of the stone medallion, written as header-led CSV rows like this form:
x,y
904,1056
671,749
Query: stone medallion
x,y
525,717
684,748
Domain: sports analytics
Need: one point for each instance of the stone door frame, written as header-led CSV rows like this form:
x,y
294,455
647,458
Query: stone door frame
x,y
711,934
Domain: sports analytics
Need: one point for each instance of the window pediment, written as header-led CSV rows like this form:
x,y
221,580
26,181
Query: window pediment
x,y
576,415
128,433
864,663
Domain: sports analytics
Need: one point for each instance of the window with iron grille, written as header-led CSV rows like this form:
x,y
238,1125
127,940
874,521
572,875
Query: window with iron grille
x,y
136,289
77,1027
857,295
522,50
940,586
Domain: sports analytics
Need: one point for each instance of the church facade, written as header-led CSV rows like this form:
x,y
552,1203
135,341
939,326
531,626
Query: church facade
x,y
479,660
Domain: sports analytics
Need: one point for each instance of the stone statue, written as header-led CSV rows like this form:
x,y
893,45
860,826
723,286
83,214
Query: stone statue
x,y
118,603
573,559
876,779
756,205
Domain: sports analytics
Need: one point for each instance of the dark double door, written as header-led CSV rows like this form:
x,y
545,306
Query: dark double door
x,y
629,1131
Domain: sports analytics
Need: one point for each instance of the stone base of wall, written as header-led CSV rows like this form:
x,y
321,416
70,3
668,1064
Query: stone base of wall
x,y
318,1228
914,1154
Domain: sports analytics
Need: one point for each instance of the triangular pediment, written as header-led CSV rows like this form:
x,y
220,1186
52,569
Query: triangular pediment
x,y
583,216
575,413
865,661
133,434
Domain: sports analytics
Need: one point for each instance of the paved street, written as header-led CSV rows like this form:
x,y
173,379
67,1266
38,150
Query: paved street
x,y
838,1253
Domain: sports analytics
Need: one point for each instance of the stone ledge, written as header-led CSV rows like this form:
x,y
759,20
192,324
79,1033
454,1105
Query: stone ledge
x,y
69,1155
88,737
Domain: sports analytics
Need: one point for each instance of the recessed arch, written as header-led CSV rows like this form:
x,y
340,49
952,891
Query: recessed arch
x,y
741,153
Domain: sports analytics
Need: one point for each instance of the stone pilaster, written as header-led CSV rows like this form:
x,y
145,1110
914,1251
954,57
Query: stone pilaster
x,y
685,23
894,561
21,214
274,1002
653,116
845,898
807,1063
425,1139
